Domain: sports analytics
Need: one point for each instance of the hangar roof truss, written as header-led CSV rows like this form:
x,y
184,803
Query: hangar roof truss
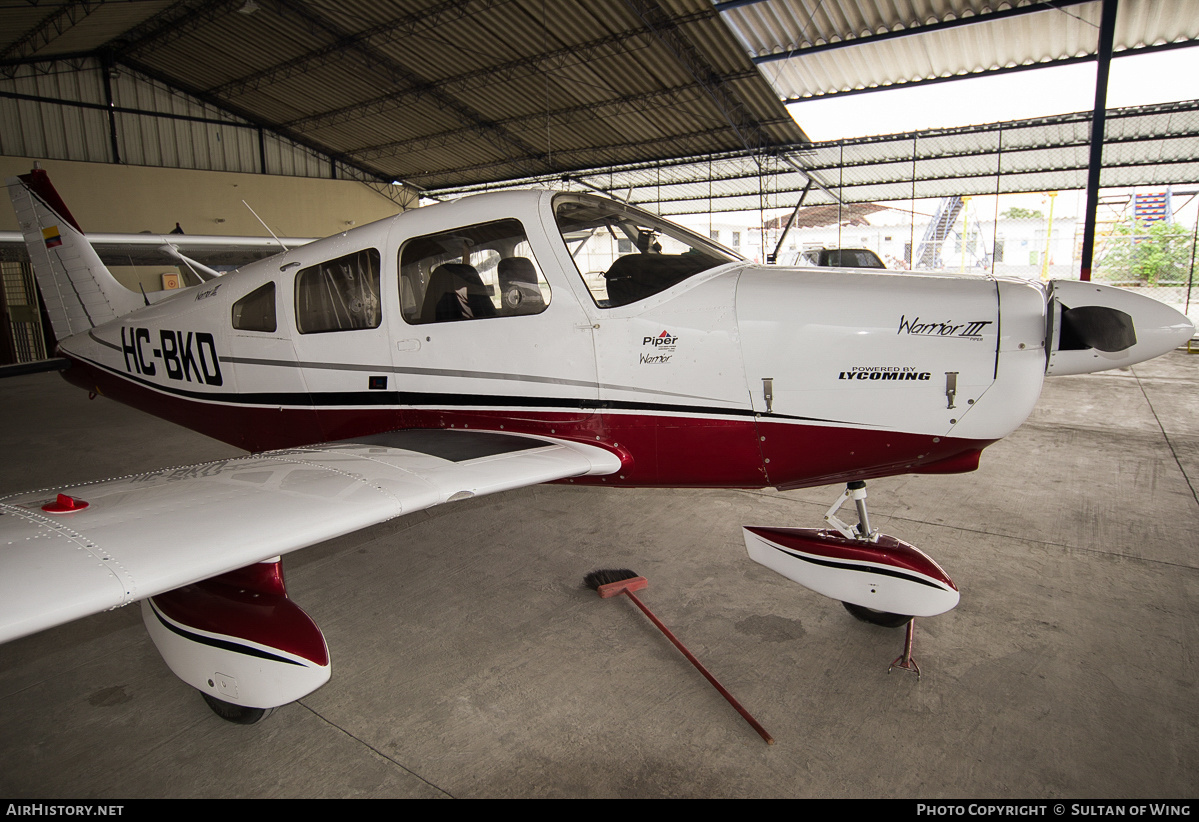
x,y
435,92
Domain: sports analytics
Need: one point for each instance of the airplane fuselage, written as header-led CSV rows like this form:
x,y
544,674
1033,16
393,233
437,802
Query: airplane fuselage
x,y
736,376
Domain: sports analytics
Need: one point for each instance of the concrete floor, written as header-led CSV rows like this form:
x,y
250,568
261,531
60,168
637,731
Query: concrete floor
x,y
469,661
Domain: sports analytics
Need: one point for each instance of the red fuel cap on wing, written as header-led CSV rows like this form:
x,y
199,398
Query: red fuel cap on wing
x,y
64,505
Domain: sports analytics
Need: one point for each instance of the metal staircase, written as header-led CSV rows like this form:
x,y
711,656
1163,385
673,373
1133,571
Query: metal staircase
x,y
928,253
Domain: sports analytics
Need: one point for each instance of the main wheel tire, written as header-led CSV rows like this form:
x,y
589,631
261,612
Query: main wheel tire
x,y
237,714
883,618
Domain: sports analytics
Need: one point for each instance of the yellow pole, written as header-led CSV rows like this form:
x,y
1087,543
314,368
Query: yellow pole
x,y
1048,235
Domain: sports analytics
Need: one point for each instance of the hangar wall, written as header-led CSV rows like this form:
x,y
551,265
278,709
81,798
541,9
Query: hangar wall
x,y
79,109
124,198
109,198
132,199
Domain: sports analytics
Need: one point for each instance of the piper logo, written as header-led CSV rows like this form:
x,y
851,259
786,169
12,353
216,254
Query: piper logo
x,y
663,342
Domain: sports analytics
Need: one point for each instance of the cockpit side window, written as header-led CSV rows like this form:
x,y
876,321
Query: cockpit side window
x,y
339,295
471,273
625,255
256,310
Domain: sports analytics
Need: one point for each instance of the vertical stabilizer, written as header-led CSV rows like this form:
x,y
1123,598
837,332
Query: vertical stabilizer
x,y
79,291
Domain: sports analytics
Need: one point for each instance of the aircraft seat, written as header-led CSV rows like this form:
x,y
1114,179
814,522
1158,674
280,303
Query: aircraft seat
x,y
455,292
519,291
637,276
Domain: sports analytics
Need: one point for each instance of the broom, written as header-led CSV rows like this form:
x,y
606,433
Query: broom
x,y
612,582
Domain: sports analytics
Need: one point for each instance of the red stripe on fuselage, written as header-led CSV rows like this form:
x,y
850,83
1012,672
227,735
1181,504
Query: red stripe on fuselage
x,y
657,449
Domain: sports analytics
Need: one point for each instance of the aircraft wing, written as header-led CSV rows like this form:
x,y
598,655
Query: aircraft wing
x,y
146,249
143,535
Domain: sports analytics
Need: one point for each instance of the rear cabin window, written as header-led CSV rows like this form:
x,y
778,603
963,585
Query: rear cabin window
x,y
256,310
471,273
339,295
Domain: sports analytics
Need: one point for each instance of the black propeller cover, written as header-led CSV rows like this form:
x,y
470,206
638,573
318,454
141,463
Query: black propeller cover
x,y
1098,327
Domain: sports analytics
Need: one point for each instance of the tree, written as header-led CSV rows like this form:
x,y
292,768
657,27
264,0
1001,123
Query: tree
x,y
1018,213
1149,253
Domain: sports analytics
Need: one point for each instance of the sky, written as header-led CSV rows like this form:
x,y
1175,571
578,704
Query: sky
x,y
1161,77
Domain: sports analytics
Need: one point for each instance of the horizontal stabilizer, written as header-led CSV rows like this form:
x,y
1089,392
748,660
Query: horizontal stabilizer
x,y
35,367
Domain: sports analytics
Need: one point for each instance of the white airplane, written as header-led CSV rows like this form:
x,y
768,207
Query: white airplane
x,y
495,342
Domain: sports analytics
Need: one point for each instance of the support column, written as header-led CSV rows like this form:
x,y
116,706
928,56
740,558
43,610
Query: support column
x,y
1107,30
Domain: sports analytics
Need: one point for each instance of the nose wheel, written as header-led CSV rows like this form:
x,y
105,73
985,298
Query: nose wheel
x,y
880,618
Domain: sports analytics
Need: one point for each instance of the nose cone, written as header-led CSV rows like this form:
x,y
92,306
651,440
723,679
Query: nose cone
x,y
1096,327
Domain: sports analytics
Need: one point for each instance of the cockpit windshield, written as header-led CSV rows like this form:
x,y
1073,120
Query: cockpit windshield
x,y
624,254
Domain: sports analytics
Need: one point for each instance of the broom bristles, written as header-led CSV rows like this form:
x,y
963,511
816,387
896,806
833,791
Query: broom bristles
x,y
606,576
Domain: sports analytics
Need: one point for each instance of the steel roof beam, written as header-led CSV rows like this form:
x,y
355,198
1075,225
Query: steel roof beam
x,y
172,23
749,131
51,27
559,117
381,34
612,45
613,174
515,150
668,143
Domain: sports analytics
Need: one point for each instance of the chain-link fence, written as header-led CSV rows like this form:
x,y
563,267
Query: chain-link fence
x,y
1037,235
1029,235
1005,199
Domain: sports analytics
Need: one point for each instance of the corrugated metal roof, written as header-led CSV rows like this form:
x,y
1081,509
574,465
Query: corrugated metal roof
x,y
449,93
813,48
433,92
1147,145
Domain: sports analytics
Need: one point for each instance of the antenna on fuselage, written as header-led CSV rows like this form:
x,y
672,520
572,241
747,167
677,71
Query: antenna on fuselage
x,y
264,225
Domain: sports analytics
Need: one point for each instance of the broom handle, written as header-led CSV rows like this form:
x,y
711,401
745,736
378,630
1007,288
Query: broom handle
x,y
699,667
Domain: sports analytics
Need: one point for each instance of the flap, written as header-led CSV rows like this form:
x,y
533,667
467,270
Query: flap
x,y
142,535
